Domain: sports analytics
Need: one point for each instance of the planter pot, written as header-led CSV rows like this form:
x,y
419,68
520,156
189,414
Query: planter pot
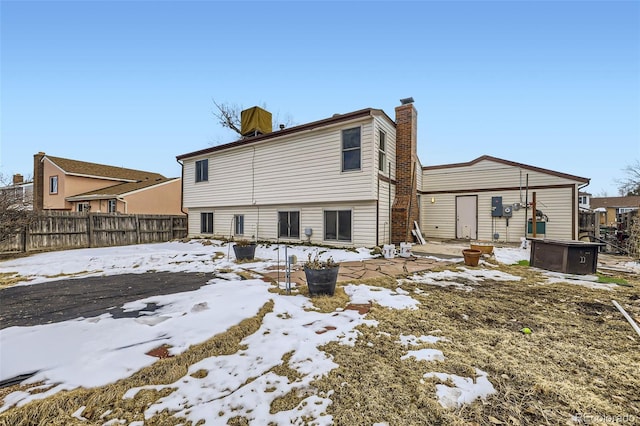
x,y
485,249
405,249
322,281
471,257
244,252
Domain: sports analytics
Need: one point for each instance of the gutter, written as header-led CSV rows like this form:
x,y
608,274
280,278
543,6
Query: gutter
x,y
91,197
182,193
126,207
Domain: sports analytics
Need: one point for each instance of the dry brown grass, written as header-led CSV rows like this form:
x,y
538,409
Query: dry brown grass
x,y
57,409
8,279
581,359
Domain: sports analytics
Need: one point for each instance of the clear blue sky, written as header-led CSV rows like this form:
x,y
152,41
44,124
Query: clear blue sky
x,y
554,84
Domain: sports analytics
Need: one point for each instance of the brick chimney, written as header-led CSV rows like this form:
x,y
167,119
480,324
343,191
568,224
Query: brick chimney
x,y
405,206
38,181
17,179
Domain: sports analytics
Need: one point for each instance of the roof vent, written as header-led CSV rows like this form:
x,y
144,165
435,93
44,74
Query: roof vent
x,y
255,121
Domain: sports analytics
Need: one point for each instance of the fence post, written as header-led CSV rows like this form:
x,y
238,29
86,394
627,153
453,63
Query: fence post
x,y
25,236
90,229
171,236
137,229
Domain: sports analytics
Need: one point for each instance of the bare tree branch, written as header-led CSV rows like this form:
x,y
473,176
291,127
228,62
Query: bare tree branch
x,y
16,211
630,185
228,116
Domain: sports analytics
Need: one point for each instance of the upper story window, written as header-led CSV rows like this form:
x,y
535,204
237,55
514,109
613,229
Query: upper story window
x,y
202,170
53,185
112,205
382,151
351,149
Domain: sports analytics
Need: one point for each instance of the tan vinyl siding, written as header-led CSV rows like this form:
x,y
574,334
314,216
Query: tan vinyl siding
x,y
556,197
384,232
439,218
304,168
158,199
383,186
486,174
390,149
299,172
261,222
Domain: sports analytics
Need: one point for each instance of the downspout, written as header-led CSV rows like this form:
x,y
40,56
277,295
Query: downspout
x,y
576,213
526,209
378,214
182,193
390,217
182,189
126,208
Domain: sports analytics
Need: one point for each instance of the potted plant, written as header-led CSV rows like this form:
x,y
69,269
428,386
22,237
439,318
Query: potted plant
x,y
321,275
244,249
471,257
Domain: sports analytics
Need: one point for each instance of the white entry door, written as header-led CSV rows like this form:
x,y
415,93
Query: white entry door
x,y
467,217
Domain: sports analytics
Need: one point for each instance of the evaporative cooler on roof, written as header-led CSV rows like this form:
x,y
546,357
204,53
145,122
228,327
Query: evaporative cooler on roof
x,y
255,121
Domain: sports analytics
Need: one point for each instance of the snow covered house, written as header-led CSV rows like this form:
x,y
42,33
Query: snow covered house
x,y
355,179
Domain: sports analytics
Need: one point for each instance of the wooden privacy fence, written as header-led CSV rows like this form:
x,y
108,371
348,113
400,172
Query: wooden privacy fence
x,y
67,230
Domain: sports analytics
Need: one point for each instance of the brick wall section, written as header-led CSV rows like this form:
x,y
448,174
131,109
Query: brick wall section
x,y
405,205
38,182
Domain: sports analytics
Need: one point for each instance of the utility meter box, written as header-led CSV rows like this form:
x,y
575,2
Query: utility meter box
x,y
507,211
496,206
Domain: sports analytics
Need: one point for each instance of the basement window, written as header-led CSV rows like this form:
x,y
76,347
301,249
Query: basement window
x,y
239,221
202,170
289,224
337,225
351,149
206,223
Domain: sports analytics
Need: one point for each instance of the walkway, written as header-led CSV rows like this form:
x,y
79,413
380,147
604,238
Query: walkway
x,y
381,267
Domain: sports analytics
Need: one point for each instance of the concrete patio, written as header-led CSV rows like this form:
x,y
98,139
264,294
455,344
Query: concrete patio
x,y
424,257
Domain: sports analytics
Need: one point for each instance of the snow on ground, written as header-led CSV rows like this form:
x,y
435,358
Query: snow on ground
x,y
460,279
464,390
95,351
192,256
236,383
362,294
633,266
590,281
510,256
425,355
